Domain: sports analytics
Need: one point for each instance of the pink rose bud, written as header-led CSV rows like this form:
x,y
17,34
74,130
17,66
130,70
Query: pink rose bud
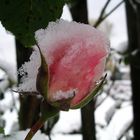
x,y
73,58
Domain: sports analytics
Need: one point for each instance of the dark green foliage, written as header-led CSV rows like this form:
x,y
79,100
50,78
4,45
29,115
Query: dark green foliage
x,y
24,17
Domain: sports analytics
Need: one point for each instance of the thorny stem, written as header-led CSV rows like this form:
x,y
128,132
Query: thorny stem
x,y
101,18
34,129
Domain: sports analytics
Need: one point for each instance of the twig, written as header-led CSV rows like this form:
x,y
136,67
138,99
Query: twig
x,y
103,12
99,21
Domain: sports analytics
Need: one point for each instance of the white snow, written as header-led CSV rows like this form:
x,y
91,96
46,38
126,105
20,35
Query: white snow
x,y
4,85
9,122
101,112
68,122
8,101
67,137
9,106
66,32
64,94
29,71
119,123
123,90
66,15
9,69
20,135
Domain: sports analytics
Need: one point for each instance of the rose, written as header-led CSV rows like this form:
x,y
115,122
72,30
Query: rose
x,y
73,57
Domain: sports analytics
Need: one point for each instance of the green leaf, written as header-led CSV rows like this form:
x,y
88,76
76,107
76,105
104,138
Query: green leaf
x,y
90,96
1,130
24,17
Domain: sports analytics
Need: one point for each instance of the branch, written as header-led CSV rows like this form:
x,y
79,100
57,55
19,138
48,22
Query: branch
x,y
103,12
100,20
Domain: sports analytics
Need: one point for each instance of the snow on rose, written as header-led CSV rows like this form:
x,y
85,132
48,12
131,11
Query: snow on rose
x,y
74,55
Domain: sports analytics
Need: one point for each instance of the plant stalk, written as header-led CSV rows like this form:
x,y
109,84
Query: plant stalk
x,y
34,129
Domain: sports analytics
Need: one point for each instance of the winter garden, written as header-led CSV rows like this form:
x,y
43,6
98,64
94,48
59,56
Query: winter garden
x,y
69,69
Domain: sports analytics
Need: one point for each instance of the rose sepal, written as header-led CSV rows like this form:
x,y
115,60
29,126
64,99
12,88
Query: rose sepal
x,y
42,76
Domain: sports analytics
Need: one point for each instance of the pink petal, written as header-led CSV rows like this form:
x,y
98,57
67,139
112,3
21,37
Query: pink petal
x,y
75,54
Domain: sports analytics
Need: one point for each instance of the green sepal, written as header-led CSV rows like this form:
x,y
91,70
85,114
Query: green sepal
x,y
42,77
88,98
47,110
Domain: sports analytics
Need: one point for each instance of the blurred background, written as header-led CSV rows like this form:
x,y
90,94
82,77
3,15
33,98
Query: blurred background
x,y
114,114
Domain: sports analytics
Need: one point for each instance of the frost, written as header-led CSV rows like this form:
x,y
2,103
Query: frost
x,y
29,71
64,94
68,32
